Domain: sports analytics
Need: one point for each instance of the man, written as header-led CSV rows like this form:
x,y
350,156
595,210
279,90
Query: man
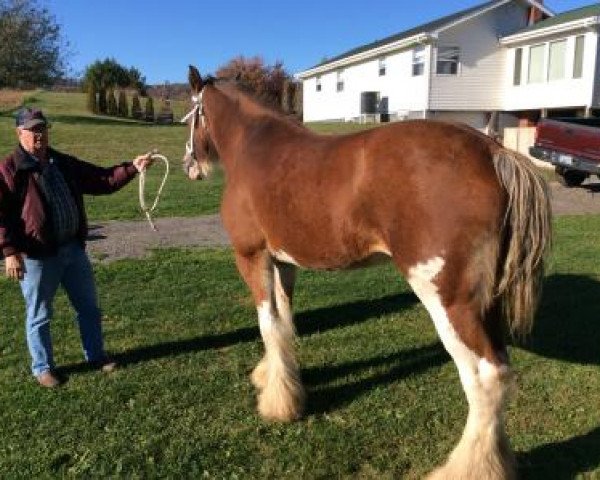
x,y
43,227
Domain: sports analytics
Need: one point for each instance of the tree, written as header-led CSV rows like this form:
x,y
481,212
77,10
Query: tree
x,y
108,73
137,80
92,101
112,102
122,106
149,111
32,50
265,81
136,107
102,102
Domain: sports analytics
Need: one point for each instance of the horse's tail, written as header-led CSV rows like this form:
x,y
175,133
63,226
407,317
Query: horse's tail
x,y
525,239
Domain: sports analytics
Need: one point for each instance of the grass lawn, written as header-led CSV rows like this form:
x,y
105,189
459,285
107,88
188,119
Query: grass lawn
x,y
384,400
109,140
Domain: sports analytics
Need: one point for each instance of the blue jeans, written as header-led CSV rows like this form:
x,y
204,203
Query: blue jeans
x,y
71,268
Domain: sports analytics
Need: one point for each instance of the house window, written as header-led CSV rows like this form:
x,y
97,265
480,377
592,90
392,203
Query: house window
x,y
418,63
382,66
518,66
557,60
447,60
318,84
578,64
536,64
340,81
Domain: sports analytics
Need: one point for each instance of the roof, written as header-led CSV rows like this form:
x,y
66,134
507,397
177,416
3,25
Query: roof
x,y
583,17
570,16
425,29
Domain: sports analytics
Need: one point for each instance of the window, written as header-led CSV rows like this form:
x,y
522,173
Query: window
x,y
578,64
518,66
557,60
382,66
340,81
536,64
318,84
447,60
418,63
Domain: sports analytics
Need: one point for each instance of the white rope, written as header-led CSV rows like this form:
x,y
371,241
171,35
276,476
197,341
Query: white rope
x,y
148,210
197,108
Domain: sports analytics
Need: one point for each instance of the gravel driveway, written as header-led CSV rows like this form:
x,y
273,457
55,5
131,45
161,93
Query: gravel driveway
x,y
114,240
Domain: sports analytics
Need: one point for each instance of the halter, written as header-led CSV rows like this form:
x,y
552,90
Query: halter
x,y
198,108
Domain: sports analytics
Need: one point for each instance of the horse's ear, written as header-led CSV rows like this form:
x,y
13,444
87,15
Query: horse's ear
x,y
195,79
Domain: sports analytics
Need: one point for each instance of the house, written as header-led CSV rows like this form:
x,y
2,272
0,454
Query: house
x,y
553,66
498,65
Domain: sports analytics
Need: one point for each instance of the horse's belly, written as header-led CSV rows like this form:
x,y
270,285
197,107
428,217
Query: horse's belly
x,y
333,261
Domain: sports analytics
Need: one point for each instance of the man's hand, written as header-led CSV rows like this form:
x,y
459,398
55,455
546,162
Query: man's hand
x,y
141,162
15,268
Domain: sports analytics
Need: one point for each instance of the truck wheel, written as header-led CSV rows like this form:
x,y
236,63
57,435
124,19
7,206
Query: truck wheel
x,y
572,178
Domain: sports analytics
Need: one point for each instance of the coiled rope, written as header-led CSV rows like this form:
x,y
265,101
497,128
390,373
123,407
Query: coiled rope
x,y
148,210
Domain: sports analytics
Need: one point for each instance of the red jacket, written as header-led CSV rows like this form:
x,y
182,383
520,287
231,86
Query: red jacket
x,y
25,226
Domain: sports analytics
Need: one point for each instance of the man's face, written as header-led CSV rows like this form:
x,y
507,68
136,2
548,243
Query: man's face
x,y
34,140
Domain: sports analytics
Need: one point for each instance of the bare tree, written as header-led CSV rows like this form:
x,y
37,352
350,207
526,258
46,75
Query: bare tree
x,y
265,80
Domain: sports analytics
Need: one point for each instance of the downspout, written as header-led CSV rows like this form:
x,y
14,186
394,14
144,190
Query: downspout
x,y
431,42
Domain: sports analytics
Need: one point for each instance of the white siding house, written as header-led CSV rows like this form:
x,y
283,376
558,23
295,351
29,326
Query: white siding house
x,y
553,65
499,65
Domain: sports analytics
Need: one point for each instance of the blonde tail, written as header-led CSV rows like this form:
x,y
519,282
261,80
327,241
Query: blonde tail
x,y
527,235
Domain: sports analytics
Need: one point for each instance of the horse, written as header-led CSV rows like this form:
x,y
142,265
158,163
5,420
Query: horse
x,y
465,220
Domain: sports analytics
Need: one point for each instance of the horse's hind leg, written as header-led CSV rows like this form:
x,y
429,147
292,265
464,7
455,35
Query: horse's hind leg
x,y
277,376
477,348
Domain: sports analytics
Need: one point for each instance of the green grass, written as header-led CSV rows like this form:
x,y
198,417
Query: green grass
x,y
109,140
384,401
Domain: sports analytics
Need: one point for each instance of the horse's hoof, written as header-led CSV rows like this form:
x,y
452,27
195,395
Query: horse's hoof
x,y
281,404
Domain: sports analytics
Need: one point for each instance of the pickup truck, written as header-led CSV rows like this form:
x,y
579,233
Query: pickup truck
x,y
572,145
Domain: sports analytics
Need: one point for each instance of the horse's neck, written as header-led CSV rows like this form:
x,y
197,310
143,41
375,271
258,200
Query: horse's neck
x,y
225,122
233,121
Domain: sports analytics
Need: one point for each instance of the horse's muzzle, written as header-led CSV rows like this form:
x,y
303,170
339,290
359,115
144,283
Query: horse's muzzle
x,y
191,167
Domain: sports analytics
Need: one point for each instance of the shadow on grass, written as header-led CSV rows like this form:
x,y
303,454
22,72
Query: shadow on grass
x,y
307,323
562,460
396,367
567,321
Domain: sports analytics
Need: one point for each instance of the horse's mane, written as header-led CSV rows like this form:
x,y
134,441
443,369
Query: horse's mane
x,y
263,103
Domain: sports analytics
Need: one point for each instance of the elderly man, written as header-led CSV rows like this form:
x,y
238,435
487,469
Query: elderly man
x,y
43,228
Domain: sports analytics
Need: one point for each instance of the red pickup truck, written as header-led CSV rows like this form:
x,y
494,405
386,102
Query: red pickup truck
x,y
572,145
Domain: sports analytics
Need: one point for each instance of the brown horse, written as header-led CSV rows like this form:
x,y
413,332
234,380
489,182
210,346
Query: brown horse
x,y
465,220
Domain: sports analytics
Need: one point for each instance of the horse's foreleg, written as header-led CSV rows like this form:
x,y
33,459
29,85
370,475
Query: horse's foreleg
x,y
277,377
476,346
284,276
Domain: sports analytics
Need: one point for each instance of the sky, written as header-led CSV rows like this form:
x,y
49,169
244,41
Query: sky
x,y
161,38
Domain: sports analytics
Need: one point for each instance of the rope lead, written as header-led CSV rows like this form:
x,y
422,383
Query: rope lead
x,y
148,211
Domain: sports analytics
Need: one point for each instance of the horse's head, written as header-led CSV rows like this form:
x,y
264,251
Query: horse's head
x,y
199,150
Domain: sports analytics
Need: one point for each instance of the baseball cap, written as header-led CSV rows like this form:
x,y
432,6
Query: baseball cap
x,y
28,118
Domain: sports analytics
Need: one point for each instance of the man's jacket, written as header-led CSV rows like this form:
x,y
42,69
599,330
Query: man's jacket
x,y
25,223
